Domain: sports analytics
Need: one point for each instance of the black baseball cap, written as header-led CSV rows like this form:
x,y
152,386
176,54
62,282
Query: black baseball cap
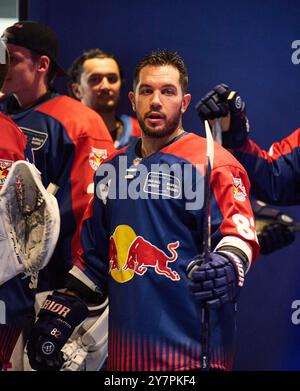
x,y
36,37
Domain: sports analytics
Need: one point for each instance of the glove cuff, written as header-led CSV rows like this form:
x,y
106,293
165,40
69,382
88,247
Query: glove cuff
x,y
238,133
238,265
70,309
97,310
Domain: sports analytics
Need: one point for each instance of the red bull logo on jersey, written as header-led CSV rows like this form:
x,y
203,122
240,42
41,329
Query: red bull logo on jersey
x,y
4,170
239,191
130,254
96,157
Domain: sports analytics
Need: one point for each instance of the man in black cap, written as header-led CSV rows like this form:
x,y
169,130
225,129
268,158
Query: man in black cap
x,y
67,140
32,48
13,141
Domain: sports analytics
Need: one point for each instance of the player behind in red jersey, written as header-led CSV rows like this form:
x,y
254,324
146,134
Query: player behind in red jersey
x,y
271,172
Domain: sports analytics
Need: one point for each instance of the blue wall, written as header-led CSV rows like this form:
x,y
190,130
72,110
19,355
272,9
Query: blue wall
x,y
246,44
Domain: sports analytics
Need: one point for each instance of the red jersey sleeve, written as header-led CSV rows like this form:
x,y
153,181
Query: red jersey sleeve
x,y
230,187
12,146
13,141
275,173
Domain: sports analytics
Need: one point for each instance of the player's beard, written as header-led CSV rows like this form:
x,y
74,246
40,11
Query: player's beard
x,y
105,103
105,108
168,129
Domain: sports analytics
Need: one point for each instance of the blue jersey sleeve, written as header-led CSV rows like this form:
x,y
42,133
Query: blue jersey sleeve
x,y
274,174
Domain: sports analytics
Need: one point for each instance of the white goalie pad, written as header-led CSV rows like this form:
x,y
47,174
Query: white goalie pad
x,y
29,222
86,350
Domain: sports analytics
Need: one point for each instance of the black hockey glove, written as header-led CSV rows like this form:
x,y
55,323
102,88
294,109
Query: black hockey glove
x,y
59,316
218,281
274,228
219,103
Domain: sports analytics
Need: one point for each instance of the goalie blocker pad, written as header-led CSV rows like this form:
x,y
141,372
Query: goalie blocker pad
x,y
29,222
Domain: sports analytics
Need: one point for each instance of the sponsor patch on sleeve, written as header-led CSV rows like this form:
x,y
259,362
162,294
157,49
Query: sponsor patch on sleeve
x,y
239,191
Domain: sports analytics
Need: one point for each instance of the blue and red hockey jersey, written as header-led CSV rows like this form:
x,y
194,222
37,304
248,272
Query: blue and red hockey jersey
x,y
67,141
274,174
139,234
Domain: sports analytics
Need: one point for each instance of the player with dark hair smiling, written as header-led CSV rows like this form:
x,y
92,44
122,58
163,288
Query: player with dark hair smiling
x,y
96,79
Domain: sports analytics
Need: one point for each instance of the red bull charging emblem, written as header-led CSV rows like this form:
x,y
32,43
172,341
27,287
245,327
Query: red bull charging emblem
x,y
96,157
130,254
239,190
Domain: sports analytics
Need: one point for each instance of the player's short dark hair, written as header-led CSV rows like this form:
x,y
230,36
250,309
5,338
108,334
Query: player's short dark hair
x,y
160,58
76,69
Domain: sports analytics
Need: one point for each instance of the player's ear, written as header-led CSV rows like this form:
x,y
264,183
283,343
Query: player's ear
x,y
185,102
132,100
76,90
43,64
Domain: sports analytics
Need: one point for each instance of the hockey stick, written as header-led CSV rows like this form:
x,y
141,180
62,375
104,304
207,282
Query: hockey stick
x,y
207,191
206,242
217,131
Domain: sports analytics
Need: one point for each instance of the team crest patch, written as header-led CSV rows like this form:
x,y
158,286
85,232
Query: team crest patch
x,y
4,170
239,191
96,157
137,161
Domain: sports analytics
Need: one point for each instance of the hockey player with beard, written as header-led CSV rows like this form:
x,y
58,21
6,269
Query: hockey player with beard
x,y
144,250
